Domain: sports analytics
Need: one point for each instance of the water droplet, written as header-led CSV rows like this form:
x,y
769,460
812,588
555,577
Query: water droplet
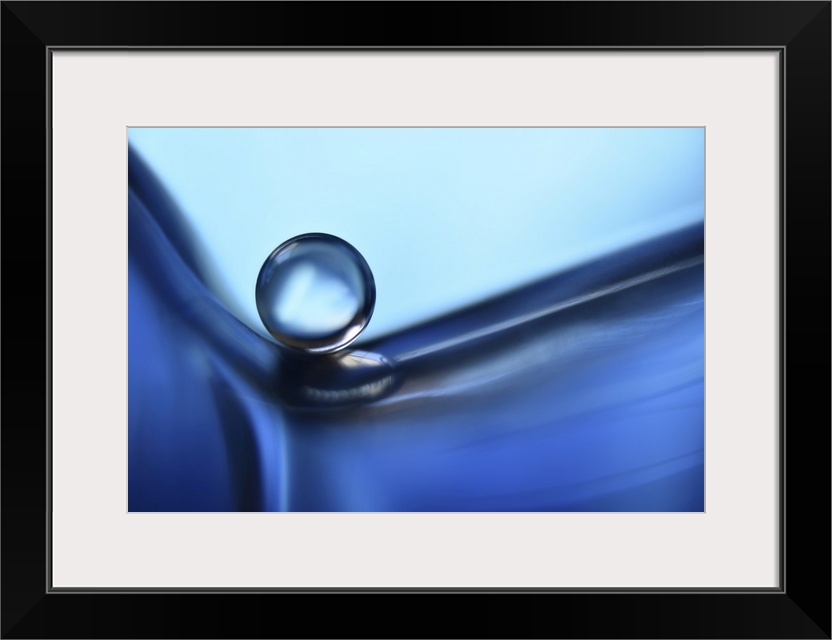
x,y
315,293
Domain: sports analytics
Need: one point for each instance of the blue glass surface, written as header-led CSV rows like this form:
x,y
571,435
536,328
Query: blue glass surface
x,y
541,330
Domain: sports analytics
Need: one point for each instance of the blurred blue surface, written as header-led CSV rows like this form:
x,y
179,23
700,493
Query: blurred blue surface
x,y
539,330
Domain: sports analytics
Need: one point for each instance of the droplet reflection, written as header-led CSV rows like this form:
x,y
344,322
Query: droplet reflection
x,y
335,381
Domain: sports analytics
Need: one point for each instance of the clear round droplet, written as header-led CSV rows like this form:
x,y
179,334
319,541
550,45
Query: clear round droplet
x,y
315,293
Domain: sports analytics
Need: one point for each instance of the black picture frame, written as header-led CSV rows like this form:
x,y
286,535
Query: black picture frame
x,y
799,608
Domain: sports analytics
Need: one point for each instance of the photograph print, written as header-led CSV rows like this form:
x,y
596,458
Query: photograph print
x,y
416,319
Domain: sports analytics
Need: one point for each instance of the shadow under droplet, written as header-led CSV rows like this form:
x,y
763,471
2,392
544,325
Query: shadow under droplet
x,y
320,382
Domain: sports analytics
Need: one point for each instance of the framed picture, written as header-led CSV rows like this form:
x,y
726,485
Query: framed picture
x,y
500,310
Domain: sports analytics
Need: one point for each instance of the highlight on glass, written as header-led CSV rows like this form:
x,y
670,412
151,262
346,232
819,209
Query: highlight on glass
x,y
416,319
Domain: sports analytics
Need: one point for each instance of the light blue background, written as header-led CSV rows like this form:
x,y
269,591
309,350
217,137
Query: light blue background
x,y
444,217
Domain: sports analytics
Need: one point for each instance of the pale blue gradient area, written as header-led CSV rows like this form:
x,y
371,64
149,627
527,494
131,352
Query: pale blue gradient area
x,y
444,217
